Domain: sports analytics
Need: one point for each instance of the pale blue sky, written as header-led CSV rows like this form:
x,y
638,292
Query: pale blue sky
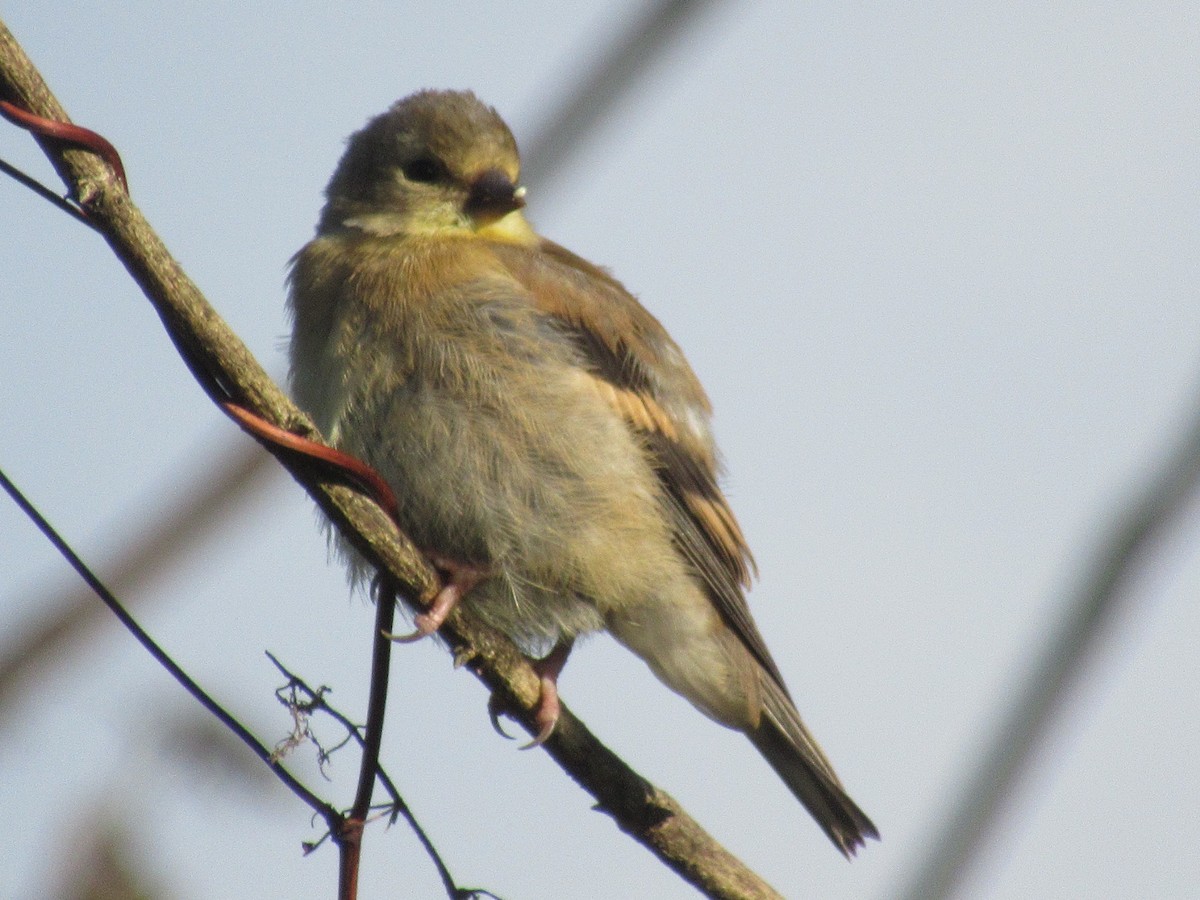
x,y
936,267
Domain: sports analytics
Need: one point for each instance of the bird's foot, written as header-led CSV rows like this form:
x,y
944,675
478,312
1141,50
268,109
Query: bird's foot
x,y
545,714
459,578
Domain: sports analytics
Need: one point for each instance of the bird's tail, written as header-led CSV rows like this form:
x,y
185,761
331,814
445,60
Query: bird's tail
x,y
786,744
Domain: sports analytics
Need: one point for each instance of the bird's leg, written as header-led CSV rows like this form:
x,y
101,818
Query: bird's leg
x,y
458,579
548,668
545,714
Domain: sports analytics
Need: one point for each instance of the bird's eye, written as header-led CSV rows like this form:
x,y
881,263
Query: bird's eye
x,y
425,169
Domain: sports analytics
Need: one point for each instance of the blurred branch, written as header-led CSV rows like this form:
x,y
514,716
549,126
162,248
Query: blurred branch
x,y
104,863
1092,609
210,348
579,110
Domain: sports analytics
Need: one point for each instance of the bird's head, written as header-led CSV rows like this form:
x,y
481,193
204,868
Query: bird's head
x,y
437,162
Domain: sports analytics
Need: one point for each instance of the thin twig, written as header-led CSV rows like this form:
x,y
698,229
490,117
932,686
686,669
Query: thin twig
x,y
44,192
327,812
385,614
397,807
64,626
381,658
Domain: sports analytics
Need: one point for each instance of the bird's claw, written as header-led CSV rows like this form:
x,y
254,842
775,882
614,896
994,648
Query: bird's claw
x,y
459,579
494,713
426,625
546,717
547,709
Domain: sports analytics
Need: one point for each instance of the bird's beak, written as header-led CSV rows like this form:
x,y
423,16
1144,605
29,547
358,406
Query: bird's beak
x,y
493,196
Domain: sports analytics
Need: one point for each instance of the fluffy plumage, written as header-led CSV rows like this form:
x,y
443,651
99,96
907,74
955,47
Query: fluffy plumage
x,y
536,423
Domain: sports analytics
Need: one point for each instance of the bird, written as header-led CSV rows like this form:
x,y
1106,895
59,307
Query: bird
x,y
549,446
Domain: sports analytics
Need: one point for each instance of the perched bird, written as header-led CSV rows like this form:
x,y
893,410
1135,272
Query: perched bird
x,y
547,442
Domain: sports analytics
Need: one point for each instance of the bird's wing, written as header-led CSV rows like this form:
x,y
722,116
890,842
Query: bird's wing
x,y
643,375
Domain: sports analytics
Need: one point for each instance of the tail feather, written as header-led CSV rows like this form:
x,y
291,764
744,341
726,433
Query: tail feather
x,y
786,744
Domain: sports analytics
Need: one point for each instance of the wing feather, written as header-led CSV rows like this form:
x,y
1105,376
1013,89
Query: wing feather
x,y
643,376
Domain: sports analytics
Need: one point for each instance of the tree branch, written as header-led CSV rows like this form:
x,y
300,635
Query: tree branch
x,y
214,353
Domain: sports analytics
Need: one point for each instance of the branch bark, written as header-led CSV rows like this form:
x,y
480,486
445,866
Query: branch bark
x,y
213,351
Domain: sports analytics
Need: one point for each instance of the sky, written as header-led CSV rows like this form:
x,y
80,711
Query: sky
x,y
936,268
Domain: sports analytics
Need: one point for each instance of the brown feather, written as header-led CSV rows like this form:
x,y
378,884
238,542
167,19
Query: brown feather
x,y
640,371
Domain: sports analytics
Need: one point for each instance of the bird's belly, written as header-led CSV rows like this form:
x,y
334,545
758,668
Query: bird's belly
x,y
548,495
